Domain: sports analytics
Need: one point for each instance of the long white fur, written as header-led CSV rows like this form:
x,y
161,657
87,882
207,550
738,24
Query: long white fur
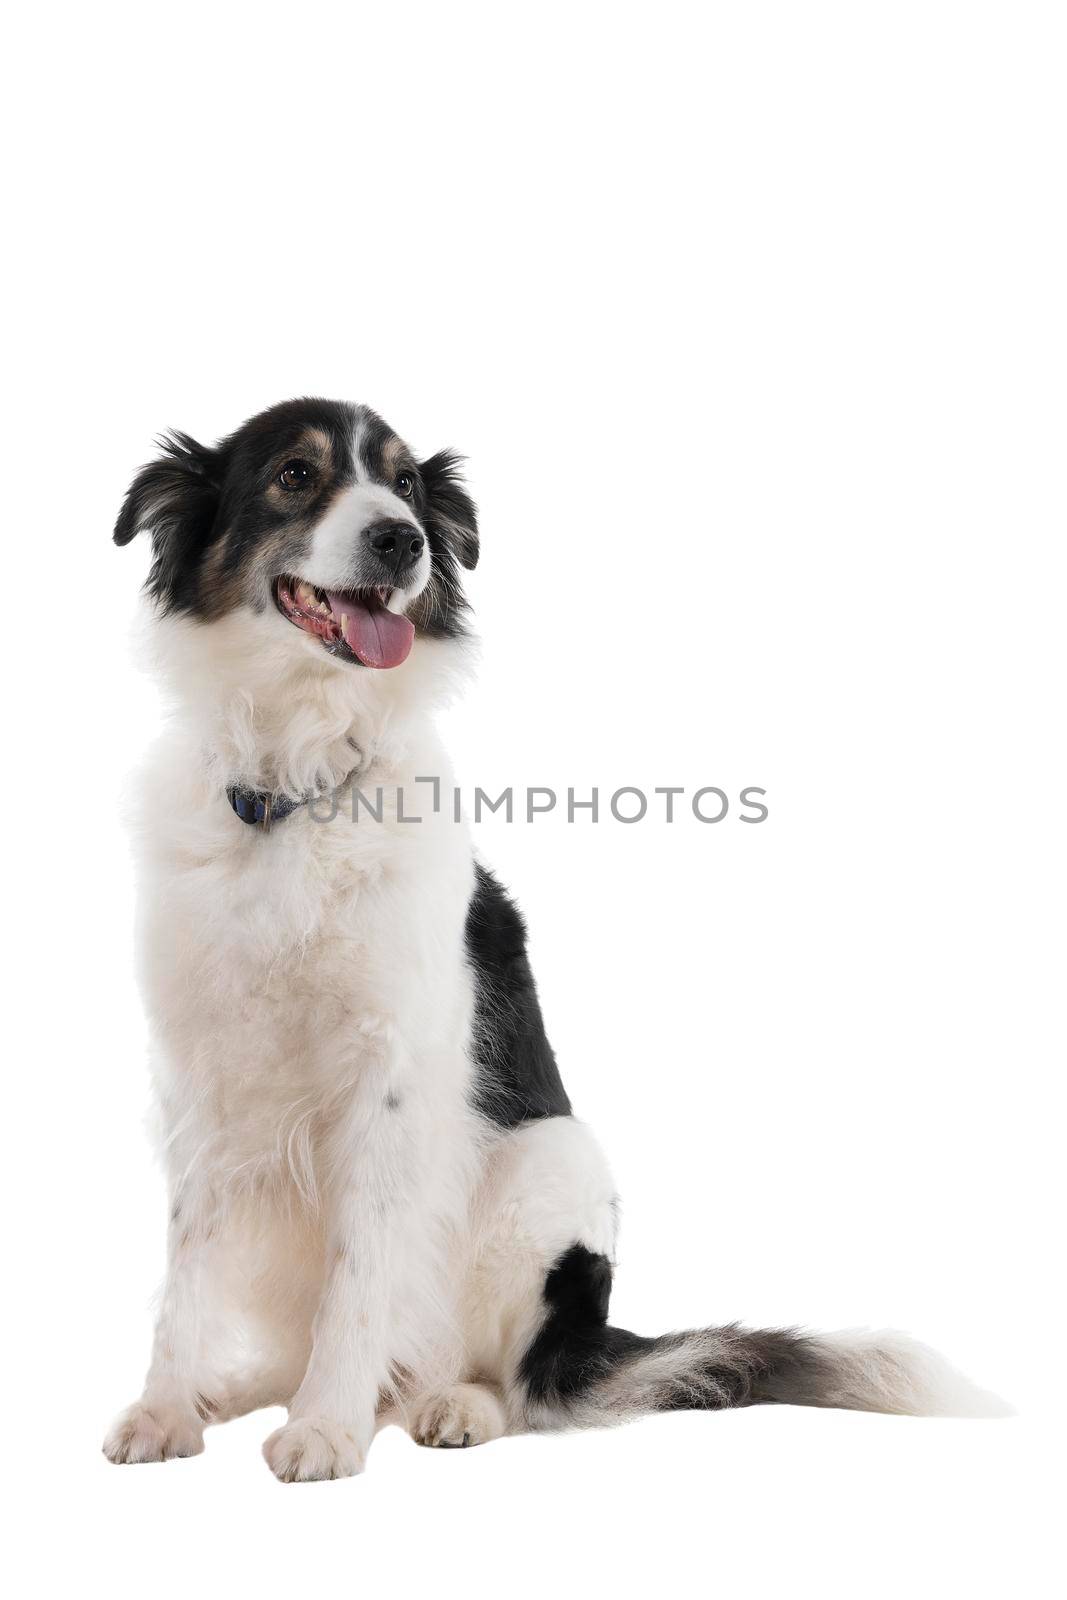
x,y
311,1013
347,1238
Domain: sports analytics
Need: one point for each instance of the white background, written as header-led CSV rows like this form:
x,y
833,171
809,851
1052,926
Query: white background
x,y
750,321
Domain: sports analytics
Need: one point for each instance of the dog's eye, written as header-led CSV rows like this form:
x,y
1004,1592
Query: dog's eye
x,y
295,475
405,484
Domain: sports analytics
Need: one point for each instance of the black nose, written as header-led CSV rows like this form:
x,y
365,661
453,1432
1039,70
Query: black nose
x,y
398,545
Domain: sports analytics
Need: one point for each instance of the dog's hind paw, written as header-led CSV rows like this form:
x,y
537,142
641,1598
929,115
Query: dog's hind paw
x,y
464,1415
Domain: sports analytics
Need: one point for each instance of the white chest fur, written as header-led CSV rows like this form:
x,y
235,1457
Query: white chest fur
x,y
283,971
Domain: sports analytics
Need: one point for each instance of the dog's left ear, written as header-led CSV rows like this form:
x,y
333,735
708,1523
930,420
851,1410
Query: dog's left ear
x,y
449,508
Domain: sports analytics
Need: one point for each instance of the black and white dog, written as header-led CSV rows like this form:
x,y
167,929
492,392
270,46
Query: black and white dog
x,y
382,1208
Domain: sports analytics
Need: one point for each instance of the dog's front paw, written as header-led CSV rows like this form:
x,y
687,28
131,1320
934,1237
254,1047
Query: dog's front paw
x,y
311,1449
156,1433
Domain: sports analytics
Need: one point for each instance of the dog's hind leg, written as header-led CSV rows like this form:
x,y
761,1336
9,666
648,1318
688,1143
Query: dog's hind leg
x,y
547,1186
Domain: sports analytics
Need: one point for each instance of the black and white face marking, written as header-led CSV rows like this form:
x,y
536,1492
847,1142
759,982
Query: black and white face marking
x,y
317,509
368,558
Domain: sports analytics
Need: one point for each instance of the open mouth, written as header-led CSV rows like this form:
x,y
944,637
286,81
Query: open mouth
x,y
354,624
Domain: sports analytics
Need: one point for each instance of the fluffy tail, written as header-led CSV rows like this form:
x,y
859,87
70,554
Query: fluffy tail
x,y
581,1372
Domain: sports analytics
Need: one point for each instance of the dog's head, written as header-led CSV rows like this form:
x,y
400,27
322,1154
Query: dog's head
x,y
314,513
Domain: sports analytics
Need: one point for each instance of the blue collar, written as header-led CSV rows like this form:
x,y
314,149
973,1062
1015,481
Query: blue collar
x,y
260,808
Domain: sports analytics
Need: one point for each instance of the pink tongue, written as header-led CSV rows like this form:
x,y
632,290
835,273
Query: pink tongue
x,y
378,637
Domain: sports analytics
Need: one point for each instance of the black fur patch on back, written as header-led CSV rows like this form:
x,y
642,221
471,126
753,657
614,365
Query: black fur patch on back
x,y
517,1076
575,1346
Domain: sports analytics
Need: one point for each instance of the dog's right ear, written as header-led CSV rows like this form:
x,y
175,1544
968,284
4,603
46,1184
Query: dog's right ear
x,y
176,498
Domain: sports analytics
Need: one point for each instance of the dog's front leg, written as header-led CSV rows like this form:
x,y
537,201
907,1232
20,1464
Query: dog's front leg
x,y
169,1418
332,1415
